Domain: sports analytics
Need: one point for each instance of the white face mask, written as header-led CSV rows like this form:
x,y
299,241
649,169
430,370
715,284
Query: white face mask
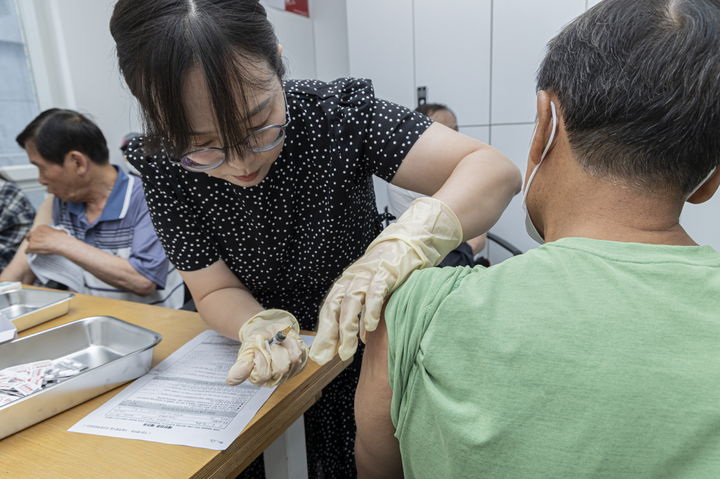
x,y
529,225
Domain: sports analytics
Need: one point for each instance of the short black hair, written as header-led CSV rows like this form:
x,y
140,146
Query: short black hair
x,y
159,41
428,109
638,82
56,132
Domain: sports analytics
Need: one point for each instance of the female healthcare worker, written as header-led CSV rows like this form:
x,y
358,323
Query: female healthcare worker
x,y
269,196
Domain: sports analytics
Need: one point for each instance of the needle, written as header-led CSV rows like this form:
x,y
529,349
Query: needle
x,y
280,336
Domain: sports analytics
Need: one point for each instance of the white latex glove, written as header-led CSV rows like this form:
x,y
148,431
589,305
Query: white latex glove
x,y
263,363
422,237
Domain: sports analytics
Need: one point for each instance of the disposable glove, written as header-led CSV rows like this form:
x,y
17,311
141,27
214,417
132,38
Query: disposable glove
x,y
268,364
422,237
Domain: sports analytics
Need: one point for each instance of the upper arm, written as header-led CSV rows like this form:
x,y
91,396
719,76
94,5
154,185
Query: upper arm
x,y
377,451
435,155
147,255
390,365
205,281
371,135
44,215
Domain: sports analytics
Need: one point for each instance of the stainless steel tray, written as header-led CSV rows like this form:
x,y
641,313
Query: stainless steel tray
x,y
114,351
29,307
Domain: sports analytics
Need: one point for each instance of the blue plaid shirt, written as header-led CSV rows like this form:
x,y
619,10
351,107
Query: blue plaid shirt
x,y
16,217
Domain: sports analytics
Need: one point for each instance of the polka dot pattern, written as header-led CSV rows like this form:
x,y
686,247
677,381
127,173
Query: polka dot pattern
x,y
289,237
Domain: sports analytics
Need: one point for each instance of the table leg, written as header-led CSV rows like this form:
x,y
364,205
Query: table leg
x,y
285,458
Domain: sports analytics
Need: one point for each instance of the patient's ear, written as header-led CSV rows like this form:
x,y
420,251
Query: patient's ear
x,y
543,129
77,162
707,190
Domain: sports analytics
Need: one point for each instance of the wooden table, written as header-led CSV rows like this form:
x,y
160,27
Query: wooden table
x,y
48,450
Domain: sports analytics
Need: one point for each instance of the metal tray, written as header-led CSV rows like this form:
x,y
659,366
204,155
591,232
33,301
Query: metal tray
x,y
29,307
114,351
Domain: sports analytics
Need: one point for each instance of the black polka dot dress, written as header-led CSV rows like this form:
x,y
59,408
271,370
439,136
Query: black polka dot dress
x,y
288,238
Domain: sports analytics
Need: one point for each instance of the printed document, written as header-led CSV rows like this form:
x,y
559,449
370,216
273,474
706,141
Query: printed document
x,y
183,400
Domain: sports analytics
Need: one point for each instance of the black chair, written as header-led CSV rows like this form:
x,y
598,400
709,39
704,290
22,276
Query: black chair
x,y
503,243
512,249
189,303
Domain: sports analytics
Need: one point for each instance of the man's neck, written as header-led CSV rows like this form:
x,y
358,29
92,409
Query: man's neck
x,y
612,212
99,191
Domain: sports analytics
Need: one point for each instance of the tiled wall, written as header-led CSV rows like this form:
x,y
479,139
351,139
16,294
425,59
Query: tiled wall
x,y
508,56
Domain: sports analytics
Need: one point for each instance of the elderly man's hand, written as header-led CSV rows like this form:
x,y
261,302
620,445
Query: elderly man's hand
x,y
47,240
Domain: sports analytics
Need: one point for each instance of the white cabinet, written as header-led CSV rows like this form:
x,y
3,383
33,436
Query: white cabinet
x,y
514,141
521,30
481,133
329,19
380,45
452,56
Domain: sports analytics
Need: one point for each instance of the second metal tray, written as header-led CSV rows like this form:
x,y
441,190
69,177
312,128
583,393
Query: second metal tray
x,y
29,307
113,350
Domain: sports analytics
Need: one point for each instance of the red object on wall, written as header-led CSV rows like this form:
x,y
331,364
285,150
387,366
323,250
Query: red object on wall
x,y
297,6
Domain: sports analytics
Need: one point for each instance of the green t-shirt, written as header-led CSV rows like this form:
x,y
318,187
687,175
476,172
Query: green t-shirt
x,y
581,358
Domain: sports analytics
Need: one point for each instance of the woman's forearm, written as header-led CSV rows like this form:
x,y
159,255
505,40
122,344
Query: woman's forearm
x,y
221,298
225,310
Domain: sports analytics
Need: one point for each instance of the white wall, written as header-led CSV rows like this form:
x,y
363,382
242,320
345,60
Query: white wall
x,y
295,34
329,19
380,45
314,47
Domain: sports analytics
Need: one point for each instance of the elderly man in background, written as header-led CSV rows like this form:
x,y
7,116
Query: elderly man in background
x,y
596,354
100,239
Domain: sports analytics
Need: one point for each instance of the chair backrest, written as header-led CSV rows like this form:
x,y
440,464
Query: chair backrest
x,y
512,249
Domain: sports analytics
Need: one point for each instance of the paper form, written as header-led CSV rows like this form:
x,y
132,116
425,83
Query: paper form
x,y
183,400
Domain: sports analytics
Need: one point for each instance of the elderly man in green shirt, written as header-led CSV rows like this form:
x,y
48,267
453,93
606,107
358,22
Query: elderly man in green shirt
x,y
596,355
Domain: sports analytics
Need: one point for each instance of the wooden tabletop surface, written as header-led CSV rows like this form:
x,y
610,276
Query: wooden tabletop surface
x,y
47,449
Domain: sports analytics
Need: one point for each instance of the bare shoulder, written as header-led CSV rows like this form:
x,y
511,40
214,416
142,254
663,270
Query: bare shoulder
x,y
376,449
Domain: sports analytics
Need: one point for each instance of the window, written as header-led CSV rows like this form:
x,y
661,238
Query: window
x,y
18,101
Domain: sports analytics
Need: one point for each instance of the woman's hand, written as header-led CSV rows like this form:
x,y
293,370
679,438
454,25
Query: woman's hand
x,y
422,237
268,364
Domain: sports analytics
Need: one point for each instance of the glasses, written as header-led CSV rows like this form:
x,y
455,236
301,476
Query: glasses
x,y
261,140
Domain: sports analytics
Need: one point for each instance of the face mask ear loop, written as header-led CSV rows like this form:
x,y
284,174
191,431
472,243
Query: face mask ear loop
x,y
712,172
549,144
